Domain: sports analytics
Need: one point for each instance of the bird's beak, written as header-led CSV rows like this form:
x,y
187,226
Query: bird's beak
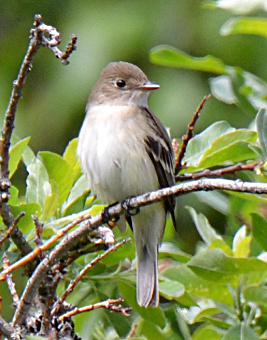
x,y
149,86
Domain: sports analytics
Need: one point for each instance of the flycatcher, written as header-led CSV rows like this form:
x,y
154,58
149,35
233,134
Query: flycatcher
x,y
125,151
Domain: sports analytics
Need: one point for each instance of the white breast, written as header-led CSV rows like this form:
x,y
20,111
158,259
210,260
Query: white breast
x,y
112,153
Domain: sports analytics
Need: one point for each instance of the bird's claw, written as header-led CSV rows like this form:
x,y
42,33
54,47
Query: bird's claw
x,y
126,206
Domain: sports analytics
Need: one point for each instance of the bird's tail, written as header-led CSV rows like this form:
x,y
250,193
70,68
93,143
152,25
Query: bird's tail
x,y
147,278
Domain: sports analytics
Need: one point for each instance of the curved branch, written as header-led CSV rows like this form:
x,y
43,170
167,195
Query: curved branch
x,y
116,210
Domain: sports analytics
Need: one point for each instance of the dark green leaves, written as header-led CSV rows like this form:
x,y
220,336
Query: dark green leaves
x,y
169,56
213,264
219,144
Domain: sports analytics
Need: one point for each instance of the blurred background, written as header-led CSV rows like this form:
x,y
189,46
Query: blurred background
x,y
52,108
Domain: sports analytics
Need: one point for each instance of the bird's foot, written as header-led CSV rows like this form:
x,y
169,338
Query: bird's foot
x,y
106,218
127,206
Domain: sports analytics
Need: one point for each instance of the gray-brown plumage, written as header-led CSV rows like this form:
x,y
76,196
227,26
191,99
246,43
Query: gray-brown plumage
x,y
125,150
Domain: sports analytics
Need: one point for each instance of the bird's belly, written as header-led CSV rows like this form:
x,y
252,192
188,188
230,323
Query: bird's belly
x,y
118,164
122,171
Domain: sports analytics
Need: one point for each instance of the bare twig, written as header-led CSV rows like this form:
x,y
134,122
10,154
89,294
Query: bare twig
x,y
114,211
189,135
217,172
108,304
9,231
10,284
73,283
42,248
37,39
54,41
6,329
39,230
132,333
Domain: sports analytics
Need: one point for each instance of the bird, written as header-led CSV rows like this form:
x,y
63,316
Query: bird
x,y
125,150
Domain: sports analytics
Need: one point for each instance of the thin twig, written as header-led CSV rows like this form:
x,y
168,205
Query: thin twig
x,y
9,231
42,248
37,39
109,304
6,329
189,135
90,265
10,284
217,172
71,239
39,230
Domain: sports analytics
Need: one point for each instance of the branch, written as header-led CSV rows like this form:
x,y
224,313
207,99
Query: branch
x,y
189,135
10,284
37,39
6,329
109,304
10,230
90,265
26,259
71,239
217,172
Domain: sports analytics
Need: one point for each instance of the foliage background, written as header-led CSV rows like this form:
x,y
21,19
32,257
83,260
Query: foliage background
x,y
52,108
54,99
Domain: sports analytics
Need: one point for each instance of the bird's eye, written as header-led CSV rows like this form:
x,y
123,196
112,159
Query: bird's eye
x,y
120,83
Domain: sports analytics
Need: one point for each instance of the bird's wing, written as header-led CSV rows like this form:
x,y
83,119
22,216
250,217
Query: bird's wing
x,y
160,151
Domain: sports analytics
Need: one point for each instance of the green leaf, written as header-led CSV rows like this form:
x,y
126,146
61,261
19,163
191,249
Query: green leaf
x,y
207,331
170,56
153,315
196,285
261,122
14,196
207,313
219,144
38,186
236,152
61,222
26,223
150,330
52,202
169,249
231,147
256,294
207,233
222,89
241,243
244,25
60,171
125,251
221,244
214,265
28,156
71,158
259,230
79,189
240,332
16,154
249,197
171,289
242,90
203,141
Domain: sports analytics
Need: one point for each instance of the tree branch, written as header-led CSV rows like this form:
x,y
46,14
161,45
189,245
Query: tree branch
x,y
216,172
90,265
37,39
6,329
189,135
109,304
114,211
